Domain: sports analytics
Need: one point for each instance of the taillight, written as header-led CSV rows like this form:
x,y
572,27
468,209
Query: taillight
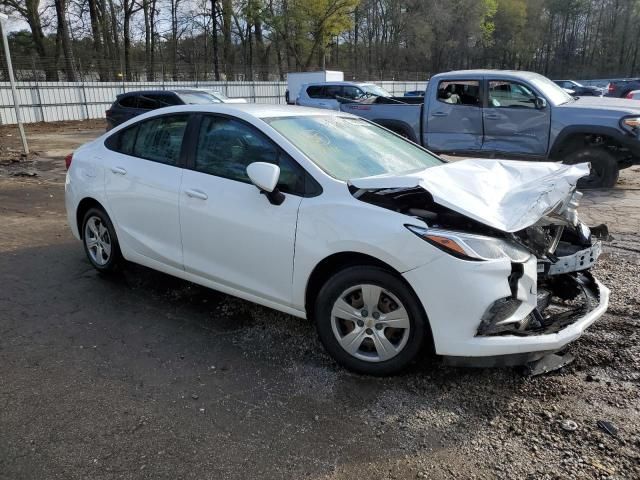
x,y
67,160
611,87
629,95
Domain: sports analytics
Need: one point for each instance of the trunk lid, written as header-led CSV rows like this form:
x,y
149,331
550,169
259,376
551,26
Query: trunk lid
x,y
507,195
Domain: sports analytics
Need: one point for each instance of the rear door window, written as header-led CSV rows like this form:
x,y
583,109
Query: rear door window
x,y
122,141
460,92
315,91
160,139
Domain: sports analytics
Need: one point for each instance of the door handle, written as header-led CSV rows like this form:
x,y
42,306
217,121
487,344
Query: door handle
x,y
439,114
193,193
118,170
492,116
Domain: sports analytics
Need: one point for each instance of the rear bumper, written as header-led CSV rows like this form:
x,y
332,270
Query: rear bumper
x,y
461,294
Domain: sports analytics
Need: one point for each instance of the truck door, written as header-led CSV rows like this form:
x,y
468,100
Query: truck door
x,y
515,121
454,118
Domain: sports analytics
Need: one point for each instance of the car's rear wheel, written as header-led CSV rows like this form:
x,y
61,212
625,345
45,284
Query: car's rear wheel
x,y
100,241
370,321
604,167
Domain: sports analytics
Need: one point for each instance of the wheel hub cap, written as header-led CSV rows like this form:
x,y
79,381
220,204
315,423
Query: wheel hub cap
x,y
370,323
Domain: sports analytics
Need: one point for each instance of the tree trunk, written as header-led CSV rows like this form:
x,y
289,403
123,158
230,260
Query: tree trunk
x,y
227,12
214,28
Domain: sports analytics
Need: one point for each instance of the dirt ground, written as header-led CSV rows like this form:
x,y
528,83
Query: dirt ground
x,y
146,376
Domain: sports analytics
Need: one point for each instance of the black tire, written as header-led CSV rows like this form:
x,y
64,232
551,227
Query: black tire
x,y
604,167
114,260
352,277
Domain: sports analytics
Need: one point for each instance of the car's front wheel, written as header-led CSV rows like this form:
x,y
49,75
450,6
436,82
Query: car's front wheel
x,y
370,321
100,241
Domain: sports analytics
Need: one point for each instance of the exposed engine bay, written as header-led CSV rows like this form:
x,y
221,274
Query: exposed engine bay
x,y
564,247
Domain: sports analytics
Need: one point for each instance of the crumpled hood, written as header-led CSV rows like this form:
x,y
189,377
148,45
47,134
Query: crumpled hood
x,y
505,194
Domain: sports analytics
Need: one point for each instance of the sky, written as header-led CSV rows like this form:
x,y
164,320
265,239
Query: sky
x,y
16,25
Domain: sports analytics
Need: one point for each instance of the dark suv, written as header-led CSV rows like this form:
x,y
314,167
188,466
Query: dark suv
x,y
131,104
620,88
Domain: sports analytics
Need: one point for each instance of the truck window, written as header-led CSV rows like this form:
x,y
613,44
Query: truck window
x,y
460,92
508,94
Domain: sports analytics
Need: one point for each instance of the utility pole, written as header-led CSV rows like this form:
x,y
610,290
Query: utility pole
x,y
3,26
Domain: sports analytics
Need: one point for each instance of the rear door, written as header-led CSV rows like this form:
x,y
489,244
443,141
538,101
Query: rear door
x,y
232,234
512,123
454,117
143,173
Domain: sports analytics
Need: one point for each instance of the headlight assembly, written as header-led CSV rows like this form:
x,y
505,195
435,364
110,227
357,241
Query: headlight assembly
x,y
631,125
471,247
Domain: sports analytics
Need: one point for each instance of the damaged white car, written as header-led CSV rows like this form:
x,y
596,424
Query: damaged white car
x,y
388,249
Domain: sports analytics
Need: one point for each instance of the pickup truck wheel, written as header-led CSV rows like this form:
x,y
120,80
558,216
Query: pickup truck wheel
x,y
370,321
604,167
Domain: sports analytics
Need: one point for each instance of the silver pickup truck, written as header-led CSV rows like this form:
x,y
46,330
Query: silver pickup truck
x,y
512,114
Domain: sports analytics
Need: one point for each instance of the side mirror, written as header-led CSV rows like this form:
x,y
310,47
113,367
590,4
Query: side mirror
x,y
540,103
265,176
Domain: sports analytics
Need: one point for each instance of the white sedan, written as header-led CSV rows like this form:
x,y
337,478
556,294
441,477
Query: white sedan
x,y
390,250
633,95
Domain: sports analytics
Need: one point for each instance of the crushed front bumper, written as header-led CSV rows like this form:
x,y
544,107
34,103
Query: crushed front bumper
x,y
457,295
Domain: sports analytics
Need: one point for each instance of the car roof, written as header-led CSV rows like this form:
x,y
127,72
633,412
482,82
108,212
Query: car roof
x,y
339,83
469,74
156,92
257,110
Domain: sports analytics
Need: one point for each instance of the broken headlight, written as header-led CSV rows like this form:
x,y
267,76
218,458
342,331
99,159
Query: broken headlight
x,y
470,246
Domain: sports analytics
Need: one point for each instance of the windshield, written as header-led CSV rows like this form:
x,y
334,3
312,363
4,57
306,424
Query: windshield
x,y
197,98
348,148
555,94
375,90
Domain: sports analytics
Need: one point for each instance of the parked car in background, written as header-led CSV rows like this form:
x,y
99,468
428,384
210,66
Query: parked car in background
x,y
223,98
579,89
633,95
388,249
414,93
328,95
518,115
620,88
131,104
295,80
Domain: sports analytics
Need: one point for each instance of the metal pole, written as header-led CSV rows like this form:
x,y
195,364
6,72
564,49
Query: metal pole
x,y
16,104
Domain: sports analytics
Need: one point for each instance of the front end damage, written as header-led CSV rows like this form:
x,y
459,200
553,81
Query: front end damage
x,y
565,250
511,310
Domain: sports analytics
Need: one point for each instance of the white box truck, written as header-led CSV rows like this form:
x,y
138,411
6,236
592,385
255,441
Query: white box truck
x,y
297,79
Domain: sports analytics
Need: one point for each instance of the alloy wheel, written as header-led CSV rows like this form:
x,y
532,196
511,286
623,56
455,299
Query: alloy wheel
x,y
97,240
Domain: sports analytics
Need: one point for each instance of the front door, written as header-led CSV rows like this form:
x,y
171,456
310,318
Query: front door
x,y
231,234
453,120
512,123
142,185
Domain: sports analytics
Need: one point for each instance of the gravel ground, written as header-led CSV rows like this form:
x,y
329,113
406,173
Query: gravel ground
x,y
146,376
